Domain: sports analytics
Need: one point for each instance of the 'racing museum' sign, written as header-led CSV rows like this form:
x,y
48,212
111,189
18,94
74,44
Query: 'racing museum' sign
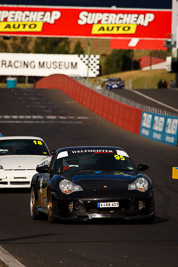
x,y
16,64
85,22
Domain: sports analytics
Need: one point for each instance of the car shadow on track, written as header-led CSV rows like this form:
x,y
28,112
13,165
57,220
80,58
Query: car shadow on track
x,y
157,220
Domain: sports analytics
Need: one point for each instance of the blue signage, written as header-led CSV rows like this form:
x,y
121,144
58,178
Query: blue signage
x,y
159,127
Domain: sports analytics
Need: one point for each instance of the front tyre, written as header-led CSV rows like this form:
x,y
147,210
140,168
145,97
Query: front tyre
x,y
33,209
51,217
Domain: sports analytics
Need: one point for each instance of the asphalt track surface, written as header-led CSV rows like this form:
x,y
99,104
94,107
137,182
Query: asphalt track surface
x,y
61,121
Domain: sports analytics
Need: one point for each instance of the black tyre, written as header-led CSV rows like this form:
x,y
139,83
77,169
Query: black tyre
x,y
51,218
33,209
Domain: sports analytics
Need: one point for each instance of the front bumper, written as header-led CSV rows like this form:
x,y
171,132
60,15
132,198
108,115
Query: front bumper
x,y
137,207
16,179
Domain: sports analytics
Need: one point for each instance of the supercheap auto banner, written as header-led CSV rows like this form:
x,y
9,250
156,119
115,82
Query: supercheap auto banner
x,y
85,22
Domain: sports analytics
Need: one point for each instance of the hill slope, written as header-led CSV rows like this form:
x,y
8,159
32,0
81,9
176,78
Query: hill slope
x,y
140,79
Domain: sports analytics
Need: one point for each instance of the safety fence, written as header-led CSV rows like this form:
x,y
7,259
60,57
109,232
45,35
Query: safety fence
x,y
125,116
124,100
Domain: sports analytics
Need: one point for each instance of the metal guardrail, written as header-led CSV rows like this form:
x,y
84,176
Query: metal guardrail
x,y
124,100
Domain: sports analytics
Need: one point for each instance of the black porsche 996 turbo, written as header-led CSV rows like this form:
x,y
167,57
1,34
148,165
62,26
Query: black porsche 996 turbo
x,y
82,183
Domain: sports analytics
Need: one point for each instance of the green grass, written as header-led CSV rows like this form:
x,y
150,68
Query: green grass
x,y
139,79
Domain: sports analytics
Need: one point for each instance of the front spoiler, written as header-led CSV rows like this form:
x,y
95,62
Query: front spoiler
x,y
87,217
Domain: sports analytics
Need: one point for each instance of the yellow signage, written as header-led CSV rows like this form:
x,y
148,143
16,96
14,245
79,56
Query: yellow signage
x,y
174,172
114,28
21,26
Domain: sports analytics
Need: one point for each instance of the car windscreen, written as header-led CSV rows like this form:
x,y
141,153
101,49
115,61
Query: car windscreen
x,y
99,159
23,147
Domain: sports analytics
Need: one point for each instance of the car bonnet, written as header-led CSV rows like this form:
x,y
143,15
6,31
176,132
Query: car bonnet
x,y
21,162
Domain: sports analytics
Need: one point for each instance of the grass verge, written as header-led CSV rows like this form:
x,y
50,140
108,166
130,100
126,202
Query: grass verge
x,y
139,79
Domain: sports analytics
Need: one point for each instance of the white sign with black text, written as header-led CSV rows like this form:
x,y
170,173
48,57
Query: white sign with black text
x,y
17,64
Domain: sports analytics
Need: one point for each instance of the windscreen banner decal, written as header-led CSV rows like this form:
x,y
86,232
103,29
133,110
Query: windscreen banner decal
x,y
85,22
96,151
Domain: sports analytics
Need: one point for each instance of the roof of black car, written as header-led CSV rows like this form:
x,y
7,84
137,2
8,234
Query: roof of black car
x,y
114,79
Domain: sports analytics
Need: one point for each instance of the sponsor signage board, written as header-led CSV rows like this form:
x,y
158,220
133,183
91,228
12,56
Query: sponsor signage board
x,y
17,64
137,43
85,22
160,128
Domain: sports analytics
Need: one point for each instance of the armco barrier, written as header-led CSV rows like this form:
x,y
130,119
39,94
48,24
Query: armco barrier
x,y
122,115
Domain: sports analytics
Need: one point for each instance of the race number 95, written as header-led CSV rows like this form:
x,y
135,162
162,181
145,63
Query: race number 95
x,y
117,157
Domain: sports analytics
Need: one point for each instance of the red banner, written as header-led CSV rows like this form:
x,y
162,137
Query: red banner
x,y
137,43
85,22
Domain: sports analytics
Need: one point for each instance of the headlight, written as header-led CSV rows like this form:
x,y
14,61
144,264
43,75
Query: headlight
x,y
141,184
68,187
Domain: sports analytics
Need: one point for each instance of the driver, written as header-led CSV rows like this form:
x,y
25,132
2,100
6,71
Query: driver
x,y
68,163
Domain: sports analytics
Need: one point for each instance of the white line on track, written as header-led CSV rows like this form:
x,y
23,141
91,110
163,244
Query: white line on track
x,y
42,119
49,117
8,259
49,121
154,100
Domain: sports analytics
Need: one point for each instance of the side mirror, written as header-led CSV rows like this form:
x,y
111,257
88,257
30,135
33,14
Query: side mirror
x,y
142,167
53,152
42,169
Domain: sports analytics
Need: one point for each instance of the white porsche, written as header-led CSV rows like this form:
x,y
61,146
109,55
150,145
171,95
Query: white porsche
x,y
19,156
